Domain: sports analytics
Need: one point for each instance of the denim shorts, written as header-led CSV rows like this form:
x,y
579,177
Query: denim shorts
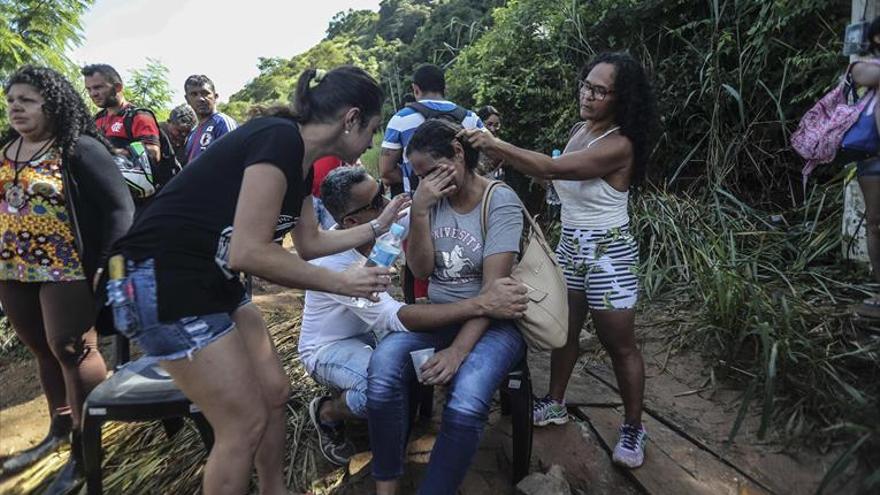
x,y
166,341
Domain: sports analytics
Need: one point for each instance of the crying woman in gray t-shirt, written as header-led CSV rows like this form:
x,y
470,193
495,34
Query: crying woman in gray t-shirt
x,y
459,247
446,244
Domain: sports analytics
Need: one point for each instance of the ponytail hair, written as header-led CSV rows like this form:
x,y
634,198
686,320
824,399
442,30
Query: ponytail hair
x,y
320,96
435,136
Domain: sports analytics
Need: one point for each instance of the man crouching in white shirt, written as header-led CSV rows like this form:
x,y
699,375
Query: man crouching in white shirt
x,y
338,336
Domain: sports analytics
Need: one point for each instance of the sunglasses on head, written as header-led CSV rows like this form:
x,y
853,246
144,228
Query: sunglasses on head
x,y
377,203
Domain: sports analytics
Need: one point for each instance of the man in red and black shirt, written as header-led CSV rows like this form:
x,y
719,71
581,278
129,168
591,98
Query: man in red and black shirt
x,y
105,89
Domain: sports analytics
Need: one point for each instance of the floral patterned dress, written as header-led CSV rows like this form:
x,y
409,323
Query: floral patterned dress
x,y
36,240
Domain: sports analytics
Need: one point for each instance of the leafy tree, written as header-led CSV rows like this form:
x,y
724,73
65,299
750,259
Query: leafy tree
x,y
399,19
731,78
277,78
451,26
149,88
38,32
360,25
523,67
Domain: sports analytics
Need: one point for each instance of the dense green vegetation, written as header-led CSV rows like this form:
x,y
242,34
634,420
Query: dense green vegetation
x,y
731,77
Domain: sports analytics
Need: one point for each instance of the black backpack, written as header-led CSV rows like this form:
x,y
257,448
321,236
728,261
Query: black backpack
x,y
168,166
456,115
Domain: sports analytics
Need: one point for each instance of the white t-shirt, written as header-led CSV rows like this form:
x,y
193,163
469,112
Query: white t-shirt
x,y
328,318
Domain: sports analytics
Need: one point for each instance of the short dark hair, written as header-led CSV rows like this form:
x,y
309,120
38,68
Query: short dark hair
x,y
105,70
435,137
430,78
198,80
336,189
487,111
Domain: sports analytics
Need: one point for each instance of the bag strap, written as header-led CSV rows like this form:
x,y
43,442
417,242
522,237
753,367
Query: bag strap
x,y
484,207
484,213
128,120
458,113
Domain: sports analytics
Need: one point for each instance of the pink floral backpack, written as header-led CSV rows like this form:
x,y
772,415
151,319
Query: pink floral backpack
x,y
818,137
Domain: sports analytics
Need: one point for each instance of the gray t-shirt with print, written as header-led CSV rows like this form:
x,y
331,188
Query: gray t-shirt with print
x,y
459,248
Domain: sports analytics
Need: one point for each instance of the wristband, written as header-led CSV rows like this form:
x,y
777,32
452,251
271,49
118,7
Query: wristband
x,y
377,228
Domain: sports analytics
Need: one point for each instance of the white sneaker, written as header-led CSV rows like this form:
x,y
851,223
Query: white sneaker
x,y
630,449
548,411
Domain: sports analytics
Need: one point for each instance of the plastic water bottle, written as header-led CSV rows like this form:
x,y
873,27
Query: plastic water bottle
x,y
552,198
385,252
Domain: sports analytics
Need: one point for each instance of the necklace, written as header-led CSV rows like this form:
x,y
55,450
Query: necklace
x,y
16,196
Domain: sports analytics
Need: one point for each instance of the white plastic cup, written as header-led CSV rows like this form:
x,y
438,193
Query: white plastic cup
x,y
419,358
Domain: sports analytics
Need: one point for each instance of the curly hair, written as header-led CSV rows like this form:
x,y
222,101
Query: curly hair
x,y
64,108
635,109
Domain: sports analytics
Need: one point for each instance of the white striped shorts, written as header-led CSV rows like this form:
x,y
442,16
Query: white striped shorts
x,y
602,264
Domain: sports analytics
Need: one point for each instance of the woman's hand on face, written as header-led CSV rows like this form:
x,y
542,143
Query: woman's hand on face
x,y
365,281
434,186
393,211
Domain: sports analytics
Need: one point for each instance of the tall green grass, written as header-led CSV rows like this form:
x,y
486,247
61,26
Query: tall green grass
x,y
370,159
773,309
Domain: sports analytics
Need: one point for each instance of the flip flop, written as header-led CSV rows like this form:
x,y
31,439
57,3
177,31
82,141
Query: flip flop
x,y
872,301
869,309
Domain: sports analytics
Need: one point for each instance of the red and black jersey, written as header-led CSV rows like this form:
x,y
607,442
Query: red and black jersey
x,y
143,127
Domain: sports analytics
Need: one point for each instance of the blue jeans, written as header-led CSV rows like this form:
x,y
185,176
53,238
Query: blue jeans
x,y
391,378
342,365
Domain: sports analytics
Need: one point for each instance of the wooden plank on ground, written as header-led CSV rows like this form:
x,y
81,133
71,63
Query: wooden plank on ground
x,y
707,422
673,465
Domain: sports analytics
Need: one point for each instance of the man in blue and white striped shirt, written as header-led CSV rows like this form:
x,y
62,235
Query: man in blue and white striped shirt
x,y
429,88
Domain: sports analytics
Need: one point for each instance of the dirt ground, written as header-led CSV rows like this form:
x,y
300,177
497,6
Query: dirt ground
x,y
692,422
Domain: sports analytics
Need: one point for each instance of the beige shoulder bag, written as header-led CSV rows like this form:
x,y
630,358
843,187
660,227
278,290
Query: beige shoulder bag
x,y
545,324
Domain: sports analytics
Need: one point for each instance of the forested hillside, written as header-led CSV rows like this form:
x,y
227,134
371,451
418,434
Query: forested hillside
x,y
731,77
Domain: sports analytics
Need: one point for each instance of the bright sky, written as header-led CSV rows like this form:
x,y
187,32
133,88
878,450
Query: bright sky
x,y
221,39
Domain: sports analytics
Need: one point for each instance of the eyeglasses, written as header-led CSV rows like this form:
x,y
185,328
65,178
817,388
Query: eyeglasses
x,y
377,203
596,92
